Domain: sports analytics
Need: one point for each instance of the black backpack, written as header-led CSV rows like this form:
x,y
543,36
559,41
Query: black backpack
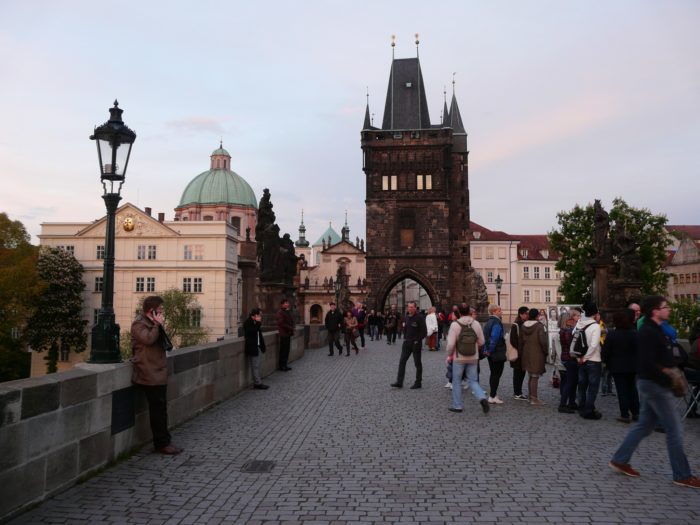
x,y
466,341
579,345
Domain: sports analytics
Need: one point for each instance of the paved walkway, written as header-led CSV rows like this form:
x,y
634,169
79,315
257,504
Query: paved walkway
x,y
349,449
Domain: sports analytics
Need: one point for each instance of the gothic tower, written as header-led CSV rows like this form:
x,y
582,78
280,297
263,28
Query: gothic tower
x,y
417,194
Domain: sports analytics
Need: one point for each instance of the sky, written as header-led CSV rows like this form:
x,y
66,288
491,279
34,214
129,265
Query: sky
x,y
563,102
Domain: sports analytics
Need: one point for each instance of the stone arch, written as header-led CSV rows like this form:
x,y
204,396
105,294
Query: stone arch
x,y
315,314
405,273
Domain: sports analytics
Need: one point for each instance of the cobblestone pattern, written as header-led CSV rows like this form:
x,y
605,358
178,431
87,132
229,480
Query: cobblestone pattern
x,y
351,450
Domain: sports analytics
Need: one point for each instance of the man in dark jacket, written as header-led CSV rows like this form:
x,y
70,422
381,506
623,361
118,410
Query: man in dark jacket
x,y
414,333
334,326
518,372
655,371
495,351
285,330
150,369
254,345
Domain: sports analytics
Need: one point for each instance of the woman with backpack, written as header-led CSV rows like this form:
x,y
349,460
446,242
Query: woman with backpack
x,y
533,345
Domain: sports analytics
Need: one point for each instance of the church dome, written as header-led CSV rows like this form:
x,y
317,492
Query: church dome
x,y
219,185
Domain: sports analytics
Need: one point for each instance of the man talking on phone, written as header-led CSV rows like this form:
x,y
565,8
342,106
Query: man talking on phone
x,y
149,343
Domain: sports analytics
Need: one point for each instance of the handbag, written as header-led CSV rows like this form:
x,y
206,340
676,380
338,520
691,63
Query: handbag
x,y
511,352
555,379
355,333
679,383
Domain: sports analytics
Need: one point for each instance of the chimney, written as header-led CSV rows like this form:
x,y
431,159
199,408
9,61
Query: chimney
x,y
161,216
148,211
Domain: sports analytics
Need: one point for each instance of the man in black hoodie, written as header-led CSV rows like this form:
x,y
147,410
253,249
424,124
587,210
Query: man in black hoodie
x,y
658,407
334,324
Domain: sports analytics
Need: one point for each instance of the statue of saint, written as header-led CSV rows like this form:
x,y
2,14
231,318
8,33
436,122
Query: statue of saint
x,y
601,221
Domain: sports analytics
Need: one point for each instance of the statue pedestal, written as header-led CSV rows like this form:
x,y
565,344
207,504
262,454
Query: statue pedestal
x,y
621,291
599,293
269,297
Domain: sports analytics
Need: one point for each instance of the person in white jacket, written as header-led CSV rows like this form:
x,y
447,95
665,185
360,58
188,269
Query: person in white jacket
x,y
590,365
431,324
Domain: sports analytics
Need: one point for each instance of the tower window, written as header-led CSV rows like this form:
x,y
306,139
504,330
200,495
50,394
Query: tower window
x,y
428,182
385,182
419,182
394,182
407,228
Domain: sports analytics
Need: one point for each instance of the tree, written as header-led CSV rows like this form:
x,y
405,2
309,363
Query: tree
x,y
19,287
57,324
574,242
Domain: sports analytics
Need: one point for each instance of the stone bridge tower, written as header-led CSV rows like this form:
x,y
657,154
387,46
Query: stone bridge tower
x,y
417,194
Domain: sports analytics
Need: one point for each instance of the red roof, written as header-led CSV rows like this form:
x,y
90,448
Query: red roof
x,y
535,245
484,234
691,230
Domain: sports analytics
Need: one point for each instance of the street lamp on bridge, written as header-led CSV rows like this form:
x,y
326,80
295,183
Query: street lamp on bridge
x,y
499,285
114,141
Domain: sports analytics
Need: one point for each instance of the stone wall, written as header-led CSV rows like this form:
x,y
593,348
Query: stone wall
x,y
58,428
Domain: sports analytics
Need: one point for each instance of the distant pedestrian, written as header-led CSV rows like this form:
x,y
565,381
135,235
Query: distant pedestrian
x,y
518,371
589,365
350,327
569,378
533,345
390,323
372,325
656,372
619,354
149,344
254,345
431,323
334,326
463,341
360,313
285,331
495,351
414,330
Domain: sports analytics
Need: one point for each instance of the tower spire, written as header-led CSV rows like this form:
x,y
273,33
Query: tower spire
x,y
420,123
302,242
393,46
445,113
368,121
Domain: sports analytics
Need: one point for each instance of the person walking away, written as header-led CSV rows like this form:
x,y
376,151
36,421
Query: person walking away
x,y
380,325
441,319
533,345
518,371
495,350
431,324
619,354
414,333
334,326
589,365
390,322
360,314
350,327
285,331
149,344
655,369
254,345
463,341
372,324
569,379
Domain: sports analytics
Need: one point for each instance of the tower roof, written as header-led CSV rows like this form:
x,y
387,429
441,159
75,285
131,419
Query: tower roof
x,y
368,121
455,120
335,238
406,104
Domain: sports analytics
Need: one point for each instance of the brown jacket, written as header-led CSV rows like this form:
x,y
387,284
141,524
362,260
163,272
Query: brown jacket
x,y
150,363
533,347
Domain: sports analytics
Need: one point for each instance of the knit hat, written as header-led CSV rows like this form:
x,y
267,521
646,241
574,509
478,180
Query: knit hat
x,y
590,309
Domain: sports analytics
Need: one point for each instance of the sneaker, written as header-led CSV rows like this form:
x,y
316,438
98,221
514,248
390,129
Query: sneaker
x,y
592,415
692,482
495,400
448,385
397,385
626,469
566,410
451,409
485,405
520,397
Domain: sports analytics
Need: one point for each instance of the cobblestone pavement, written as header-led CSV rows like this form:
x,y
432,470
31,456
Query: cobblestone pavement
x,y
351,450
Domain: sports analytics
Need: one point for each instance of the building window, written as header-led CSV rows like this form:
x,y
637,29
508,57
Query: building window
x,y
100,251
681,278
69,248
385,182
548,296
141,252
501,252
394,182
150,284
99,283
194,251
140,284
489,276
526,296
64,353
187,284
197,285
489,253
524,253
195,319
695,278
547,272
151,252
557,275
537,296
236,223
419,182
428,182
536,272
526,272
188,252
407,228
477,252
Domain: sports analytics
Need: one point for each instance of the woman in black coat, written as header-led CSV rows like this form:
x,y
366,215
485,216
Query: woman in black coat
x,y
254,345
620,356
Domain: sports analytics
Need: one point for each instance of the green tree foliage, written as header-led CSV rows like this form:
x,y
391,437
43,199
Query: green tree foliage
x,y
19,287
684,314
573,239
57,323
178,308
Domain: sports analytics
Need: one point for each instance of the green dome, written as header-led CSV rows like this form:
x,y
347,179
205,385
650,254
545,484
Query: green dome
x,y
220,151
219,186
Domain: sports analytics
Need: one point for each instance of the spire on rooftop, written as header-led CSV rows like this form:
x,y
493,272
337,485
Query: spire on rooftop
x,y
302,242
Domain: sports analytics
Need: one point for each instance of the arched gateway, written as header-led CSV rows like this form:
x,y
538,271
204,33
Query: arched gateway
x,y
417,191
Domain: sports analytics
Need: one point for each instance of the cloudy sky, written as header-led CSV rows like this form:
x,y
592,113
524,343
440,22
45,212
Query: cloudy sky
x,y
563,101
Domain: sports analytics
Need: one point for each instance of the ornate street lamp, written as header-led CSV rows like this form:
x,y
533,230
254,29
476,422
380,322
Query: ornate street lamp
x,y
338,285
499,284
114,140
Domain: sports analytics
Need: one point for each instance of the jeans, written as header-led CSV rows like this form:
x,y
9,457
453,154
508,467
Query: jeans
x,y
569,382
373,331
334,339
408,348
658,407
495,377
157,398
471,380
627,396
588,384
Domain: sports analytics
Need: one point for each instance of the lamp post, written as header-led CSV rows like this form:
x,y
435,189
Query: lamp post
x,y
337,285
114,140
499,284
